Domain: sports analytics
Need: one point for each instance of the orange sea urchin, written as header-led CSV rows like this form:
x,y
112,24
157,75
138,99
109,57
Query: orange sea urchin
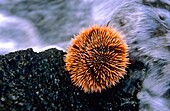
x,y
97,58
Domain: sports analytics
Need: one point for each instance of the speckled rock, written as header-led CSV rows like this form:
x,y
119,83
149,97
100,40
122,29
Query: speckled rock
x,y
31,81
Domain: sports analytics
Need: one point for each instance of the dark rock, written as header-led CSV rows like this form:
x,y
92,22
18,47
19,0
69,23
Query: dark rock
x,y
31,81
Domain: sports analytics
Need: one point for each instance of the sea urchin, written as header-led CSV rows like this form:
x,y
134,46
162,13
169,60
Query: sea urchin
x,y
97,58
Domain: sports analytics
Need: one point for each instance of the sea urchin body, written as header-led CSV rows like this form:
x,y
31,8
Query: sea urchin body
x,y
97,58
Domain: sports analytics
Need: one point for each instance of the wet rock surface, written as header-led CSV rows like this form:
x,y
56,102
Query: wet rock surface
x,y
146,29
31,81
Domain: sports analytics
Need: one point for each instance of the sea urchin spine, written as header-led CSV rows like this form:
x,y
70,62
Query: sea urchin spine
x,y
97,58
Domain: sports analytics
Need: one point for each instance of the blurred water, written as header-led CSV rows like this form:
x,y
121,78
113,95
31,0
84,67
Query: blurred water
x,y
16,33
42,29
